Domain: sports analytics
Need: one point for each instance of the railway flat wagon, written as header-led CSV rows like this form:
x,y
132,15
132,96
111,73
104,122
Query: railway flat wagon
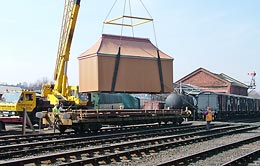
x,y
93,120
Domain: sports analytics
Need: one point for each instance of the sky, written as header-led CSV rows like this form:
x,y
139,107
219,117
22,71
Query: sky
x,y
222,36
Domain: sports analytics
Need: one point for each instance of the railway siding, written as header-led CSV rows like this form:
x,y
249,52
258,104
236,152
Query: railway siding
x,y
136,147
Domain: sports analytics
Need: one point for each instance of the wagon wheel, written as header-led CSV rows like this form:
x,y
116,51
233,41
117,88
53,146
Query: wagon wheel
x,y
59,126
159,123
79,128
62,128
95,127
165,122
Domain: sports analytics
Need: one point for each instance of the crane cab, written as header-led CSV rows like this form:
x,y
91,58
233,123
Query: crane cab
x,y
18,101
80,99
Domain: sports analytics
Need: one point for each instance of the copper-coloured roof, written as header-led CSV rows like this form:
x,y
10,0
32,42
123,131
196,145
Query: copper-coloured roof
x,y
108,45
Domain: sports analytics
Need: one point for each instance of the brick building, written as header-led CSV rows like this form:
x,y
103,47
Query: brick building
x,y
208,81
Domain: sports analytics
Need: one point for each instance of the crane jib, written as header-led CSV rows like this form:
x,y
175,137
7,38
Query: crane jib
x,y
77,2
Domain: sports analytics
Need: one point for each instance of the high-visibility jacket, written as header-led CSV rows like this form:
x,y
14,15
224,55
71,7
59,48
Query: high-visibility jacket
x,y
209,116
55,110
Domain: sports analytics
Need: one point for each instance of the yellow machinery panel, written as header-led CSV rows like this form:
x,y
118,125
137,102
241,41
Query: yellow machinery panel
x,y
18,101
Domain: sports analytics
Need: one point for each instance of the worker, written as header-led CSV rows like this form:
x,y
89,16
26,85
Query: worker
x,y
55,109
209,117
61,108
55,115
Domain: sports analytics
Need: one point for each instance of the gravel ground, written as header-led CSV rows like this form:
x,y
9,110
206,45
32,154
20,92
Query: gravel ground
x,y
218,159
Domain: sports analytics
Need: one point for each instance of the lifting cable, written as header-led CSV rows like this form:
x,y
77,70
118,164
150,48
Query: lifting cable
x,y
132,26
108,15
130,10
131,18
152,22
122,27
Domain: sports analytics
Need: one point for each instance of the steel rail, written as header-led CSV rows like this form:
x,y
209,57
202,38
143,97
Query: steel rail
x,y
206,153
128,153
160,143
16,139
36,147
245,159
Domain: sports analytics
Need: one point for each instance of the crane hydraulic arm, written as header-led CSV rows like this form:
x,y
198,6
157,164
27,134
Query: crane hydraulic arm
x,y
60,91
67,31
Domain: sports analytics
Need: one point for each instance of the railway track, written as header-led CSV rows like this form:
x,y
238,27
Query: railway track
x,y
114,149
12,149
252,158
207,153
18,138
15,131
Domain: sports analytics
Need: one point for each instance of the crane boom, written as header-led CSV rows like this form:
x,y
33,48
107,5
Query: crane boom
x,y
70,15
60,91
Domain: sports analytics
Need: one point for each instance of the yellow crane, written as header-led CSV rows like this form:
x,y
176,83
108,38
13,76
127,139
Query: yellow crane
x,y
18,101
31,103
60,91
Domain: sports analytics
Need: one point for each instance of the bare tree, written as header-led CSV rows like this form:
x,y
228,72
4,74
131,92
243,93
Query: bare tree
x,y
37,85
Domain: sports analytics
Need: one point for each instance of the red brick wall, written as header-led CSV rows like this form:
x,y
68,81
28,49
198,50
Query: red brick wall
x,y
207,81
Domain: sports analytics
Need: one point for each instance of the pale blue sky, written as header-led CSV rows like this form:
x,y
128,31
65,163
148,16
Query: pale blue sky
x,y
222,36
